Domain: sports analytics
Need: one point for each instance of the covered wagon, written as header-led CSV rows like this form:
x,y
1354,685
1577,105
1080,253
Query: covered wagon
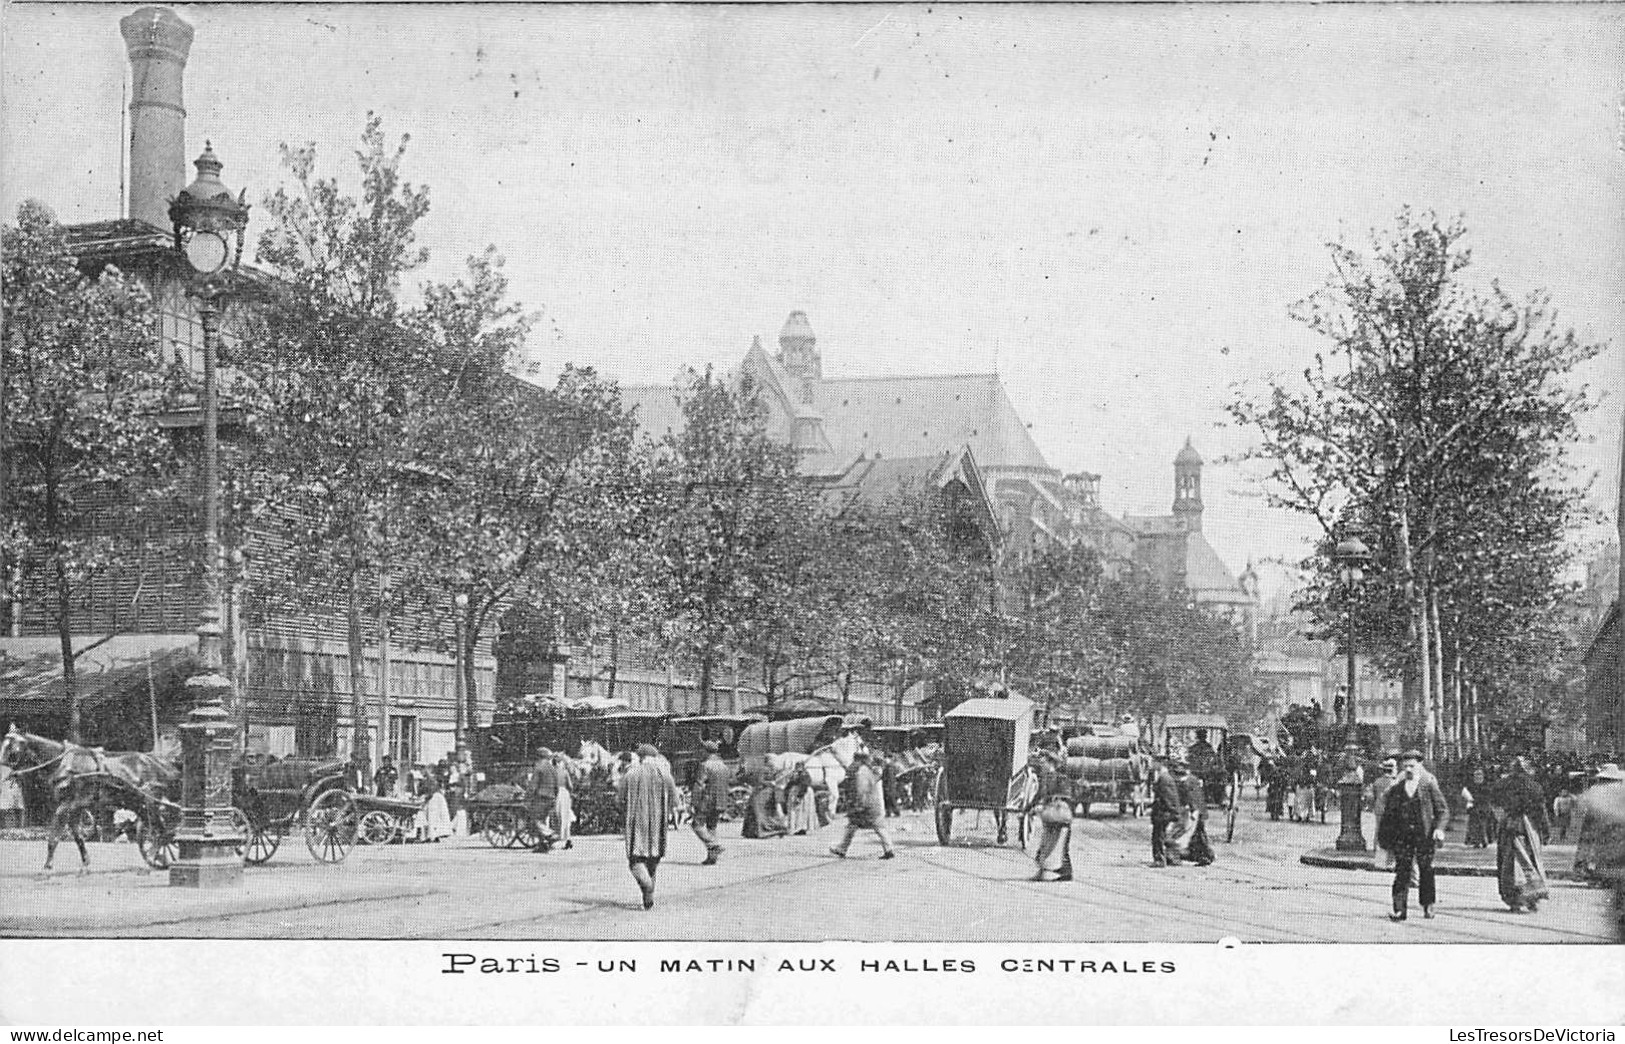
x,y
984,764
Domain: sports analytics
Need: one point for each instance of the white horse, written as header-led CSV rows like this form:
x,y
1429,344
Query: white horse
x,y
594,757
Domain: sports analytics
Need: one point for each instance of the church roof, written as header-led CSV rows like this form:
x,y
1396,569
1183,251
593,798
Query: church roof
x,y
1188,455
1206,575
877,417
915,416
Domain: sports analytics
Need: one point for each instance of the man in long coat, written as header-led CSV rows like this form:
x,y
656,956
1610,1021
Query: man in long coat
x,y
649,794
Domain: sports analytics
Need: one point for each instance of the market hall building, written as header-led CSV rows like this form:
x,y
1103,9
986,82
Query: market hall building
x,y
135,628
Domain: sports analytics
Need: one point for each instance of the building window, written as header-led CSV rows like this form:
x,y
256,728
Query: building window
x,y
403,740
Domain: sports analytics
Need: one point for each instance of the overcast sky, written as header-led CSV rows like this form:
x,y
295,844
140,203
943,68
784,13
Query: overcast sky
x,y
1112,206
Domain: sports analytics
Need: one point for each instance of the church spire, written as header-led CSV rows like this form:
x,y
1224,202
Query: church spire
x,y
1188,488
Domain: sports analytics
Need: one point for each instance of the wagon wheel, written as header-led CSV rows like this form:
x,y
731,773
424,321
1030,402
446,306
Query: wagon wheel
x,y
155,836
528,834
378,828
501,828
331,825
263,840
945,822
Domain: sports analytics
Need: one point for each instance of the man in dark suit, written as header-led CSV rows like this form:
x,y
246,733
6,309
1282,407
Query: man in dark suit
x,y
1167,808
543,796
1414,818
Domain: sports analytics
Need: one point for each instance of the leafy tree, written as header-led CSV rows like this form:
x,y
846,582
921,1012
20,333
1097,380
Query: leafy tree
x,y
343,387
911,595
532,488
1435,425
86,467
726,491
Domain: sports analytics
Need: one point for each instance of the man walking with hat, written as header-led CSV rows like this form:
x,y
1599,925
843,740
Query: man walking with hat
x,y
866,806
1167,808
1414,818
711,796
649,794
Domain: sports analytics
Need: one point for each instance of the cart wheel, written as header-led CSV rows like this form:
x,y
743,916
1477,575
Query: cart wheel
x,y
378,828
155,836
501,828
263,841
527,836
1230,823
331,825
945,822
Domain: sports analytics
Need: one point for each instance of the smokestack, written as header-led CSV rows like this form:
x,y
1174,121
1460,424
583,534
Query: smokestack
x,y
158,42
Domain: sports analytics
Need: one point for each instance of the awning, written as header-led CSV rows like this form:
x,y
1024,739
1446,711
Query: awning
x,y
31,668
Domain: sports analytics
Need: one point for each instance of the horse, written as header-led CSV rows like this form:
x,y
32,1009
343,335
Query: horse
x,y
595,759
123,778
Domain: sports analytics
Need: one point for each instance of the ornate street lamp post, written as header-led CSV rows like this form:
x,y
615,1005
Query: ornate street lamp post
x,y
209,226
1352,556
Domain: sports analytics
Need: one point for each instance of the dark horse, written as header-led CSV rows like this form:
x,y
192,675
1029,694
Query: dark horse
x,y
132,780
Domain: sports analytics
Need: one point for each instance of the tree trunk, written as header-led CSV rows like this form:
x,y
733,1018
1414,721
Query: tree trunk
x,y
383,665
471,694
360,745
1419,699
705,681
1436,708
64,637
614,660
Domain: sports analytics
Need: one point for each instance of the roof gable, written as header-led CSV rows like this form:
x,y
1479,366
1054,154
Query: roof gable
x,y
925,415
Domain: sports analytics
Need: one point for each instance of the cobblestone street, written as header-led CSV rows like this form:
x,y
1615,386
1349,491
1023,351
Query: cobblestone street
x,y
790,890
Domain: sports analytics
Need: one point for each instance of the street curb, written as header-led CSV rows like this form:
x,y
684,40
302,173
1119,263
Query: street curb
x,y
1332,859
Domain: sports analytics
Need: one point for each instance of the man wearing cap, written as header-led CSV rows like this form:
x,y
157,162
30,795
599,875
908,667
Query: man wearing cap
x,y
866,808
543,796
649,794
1167,808
1379,797
711,798
1413,822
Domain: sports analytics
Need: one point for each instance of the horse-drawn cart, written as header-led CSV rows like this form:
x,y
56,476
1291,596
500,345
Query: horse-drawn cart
x,y
311,795
1107,766
984,764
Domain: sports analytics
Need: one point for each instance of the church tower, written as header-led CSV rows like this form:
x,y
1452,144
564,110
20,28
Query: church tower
x,y
1188,489
798,353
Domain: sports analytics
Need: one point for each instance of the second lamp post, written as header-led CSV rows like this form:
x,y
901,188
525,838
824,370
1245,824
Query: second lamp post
x,y
1352,556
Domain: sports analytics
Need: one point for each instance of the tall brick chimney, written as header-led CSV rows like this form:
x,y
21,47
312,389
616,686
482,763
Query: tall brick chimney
x,y
158,42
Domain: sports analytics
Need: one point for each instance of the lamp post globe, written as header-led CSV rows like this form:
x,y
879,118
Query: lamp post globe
x,y
209,224
1352,558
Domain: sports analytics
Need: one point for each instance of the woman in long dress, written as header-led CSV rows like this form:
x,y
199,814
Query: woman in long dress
x,y
1520,870
436,816
795,788
1054,802
563,815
